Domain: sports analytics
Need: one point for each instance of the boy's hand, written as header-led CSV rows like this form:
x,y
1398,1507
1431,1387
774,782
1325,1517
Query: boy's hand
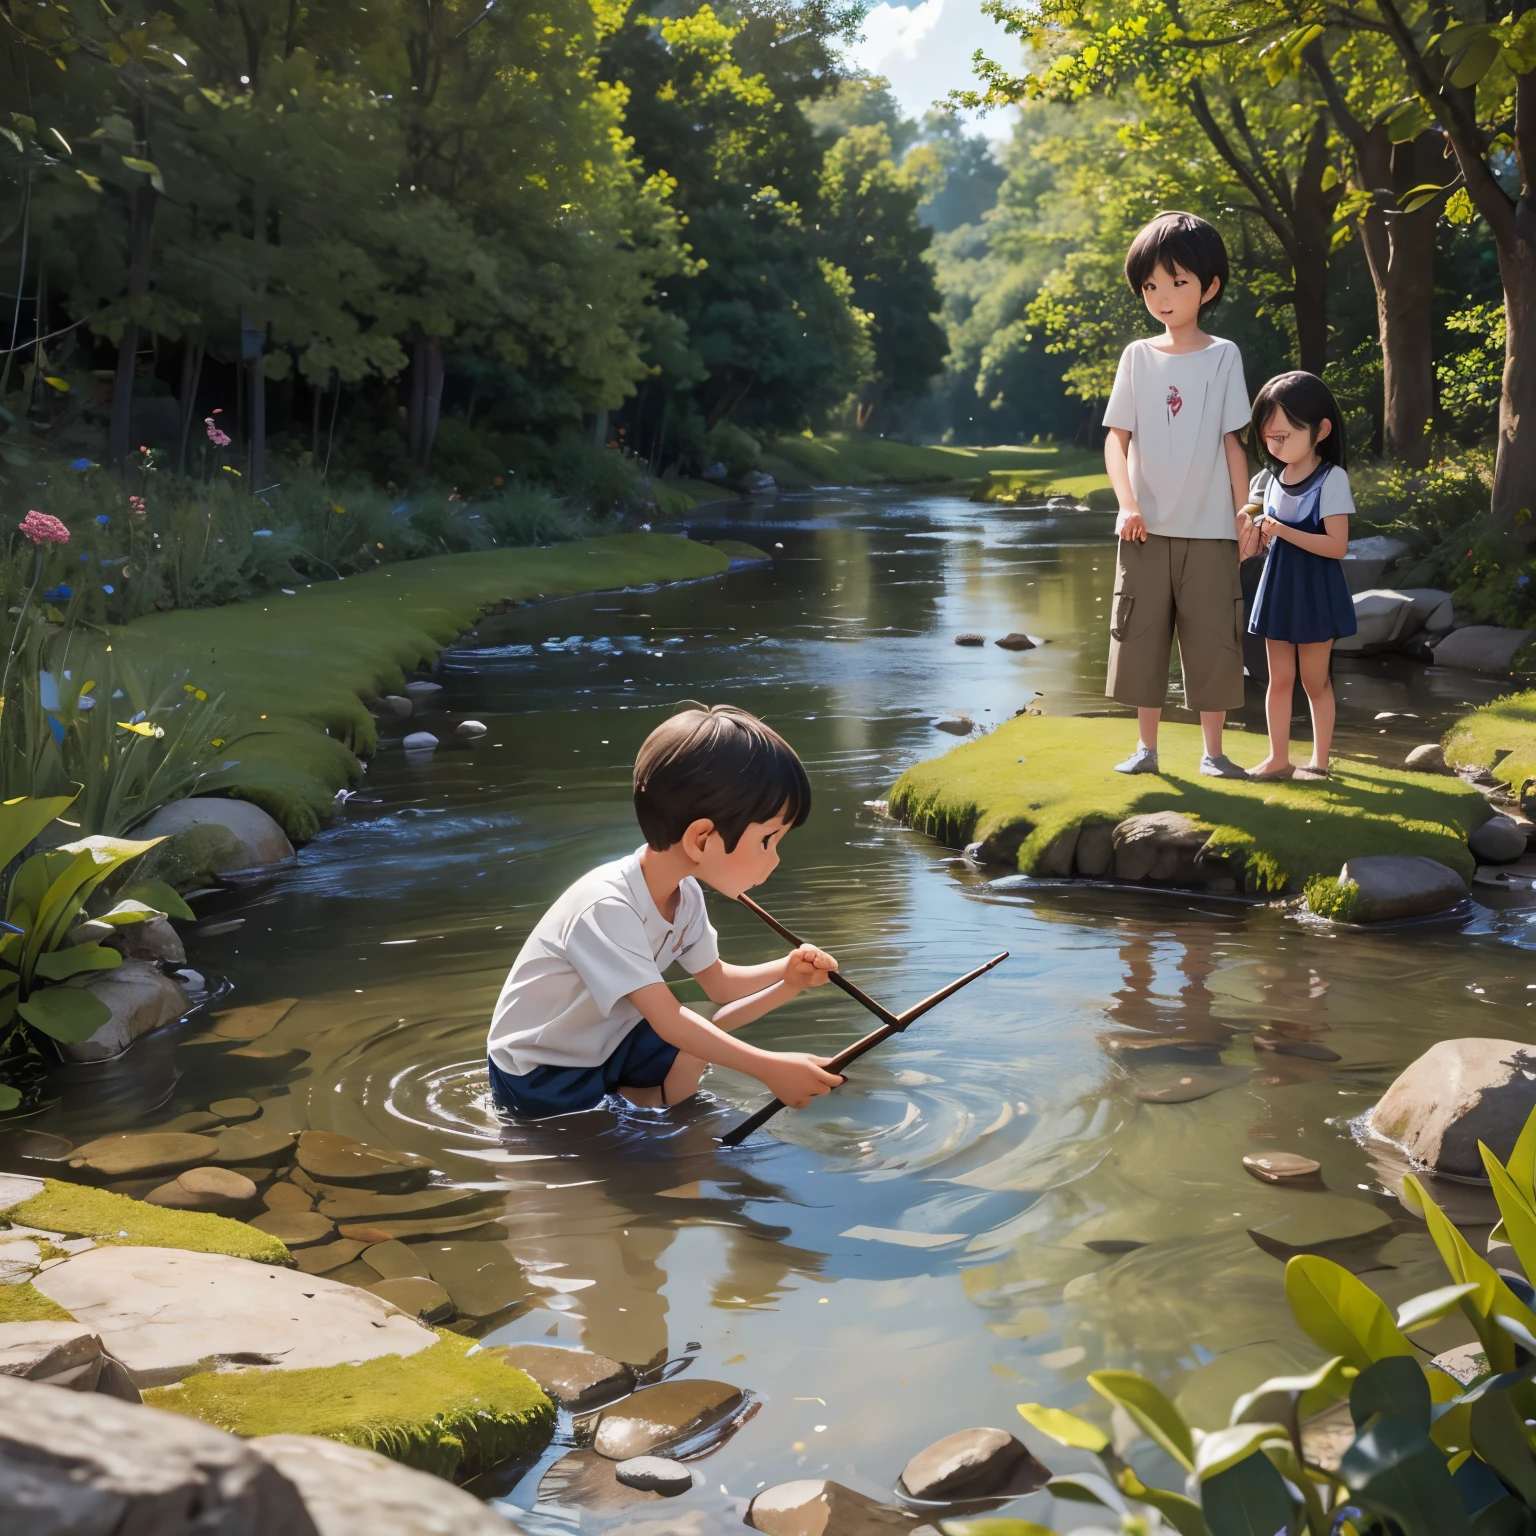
x,y
1129,525
794,1078
1249,537
808,967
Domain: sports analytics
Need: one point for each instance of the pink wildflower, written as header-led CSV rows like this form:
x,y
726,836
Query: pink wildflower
x,y
215,436
136,506
43,529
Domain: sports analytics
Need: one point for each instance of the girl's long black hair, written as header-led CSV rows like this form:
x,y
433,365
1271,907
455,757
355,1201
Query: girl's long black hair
x,y
1307,402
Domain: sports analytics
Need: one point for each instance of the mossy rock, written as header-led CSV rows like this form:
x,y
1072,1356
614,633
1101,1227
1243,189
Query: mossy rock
x,y
1037,777
190,858
77,1210
740,553
24,1303
1500,736
444,1410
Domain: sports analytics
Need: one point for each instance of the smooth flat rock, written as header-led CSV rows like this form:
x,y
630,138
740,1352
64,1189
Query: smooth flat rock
x,y
1481,648
17,1189
393,706
420,741
421,691
156,941
366,1204
655,1474
62,1354
137,1154
1281,1167
233,1110
573,1378
1432,610
393,1260
142,999
657,1418
295,1228
586,1481
820,1507
1458,1093
93,1466
1500,840
1429,758
358,1232
165,1313
322,1258
252,1021
1397,886
219,1190
482,1277
972,1464
336,1159
1189,1086
1382,615
255,1143
1315,1222
417,1297
283,1195
348,1491
255,839
422,1226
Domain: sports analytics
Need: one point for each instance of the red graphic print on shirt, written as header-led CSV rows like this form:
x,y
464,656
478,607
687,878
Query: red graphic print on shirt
x,y
1175,400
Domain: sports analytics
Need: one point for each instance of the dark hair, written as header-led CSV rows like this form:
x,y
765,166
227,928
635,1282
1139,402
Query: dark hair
x,y
1307,402
720,764
1183,240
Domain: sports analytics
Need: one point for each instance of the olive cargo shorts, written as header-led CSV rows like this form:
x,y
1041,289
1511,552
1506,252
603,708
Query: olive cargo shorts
x,y
1188,585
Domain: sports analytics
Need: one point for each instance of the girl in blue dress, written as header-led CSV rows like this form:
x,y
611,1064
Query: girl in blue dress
x,y
1303,603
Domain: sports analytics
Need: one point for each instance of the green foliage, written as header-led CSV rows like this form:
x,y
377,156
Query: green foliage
x,y
1468,371
1327,896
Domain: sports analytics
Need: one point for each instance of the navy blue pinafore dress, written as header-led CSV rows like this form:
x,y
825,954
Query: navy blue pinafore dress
x,y
1302,598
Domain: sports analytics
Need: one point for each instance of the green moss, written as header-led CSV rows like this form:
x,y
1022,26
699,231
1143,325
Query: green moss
x,y
1011,486
844,458
442,1410
78,1210
1328,896
26,1304
1287,832
294,671
739,549
1500,736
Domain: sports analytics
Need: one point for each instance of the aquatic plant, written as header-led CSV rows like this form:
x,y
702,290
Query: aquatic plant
x,y
1328,896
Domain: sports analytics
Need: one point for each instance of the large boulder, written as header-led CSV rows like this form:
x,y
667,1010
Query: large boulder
x,y
1368,560
1499,840
142,999
1395,886
1381,617
972,1464
216,836
1481,648
1169,847
816,1506
79,1466
1432,611
1458,1093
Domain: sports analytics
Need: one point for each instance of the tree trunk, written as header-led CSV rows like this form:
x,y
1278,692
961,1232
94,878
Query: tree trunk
x,y
1514,474
416,408
253,338
141,233
426,398
191,379
1312,222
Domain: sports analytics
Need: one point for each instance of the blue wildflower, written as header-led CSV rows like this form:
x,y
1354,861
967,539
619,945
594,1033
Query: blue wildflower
x,y
85,559
108,590
1522,581
103,519
261,533
82,464
57,595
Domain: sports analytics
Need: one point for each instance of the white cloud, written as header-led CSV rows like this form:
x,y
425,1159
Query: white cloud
x,y
925,52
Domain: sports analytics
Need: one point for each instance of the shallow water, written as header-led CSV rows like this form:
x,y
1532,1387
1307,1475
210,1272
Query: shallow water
x,y
910,1256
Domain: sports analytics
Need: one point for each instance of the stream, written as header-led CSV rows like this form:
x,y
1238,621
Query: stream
x,y
987,1211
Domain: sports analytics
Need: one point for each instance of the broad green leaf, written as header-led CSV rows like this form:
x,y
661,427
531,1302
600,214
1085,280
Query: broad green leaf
x,y
1150,1407
1182,1513
164,897
1087,1488
22,820
61,964
65,1014
1476,61
1064,1428
1408,121
1421,1311
1519,1221
998,1527
1394,1470
1329,1383
1341,1313
1499,1437
1248,1499
1224,1448
1454,39
1393,1388
126,913
1521,1166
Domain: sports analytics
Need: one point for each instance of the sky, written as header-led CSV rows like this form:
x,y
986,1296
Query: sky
x,y
925,50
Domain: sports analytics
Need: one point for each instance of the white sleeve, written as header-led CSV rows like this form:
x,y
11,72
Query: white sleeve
x,y
1236,412
1121,410
701,944
1334,499
1258,486
607,948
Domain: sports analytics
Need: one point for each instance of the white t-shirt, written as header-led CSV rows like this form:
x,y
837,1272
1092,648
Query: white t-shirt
x,y
566,999
1178,408
1335,499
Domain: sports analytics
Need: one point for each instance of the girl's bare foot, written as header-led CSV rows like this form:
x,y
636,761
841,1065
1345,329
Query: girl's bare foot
x,y
1272,768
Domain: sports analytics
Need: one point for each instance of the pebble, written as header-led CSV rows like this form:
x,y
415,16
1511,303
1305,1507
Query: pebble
x,y
421,741
820,1507
1278,1167
392,706
235,1109
655,1474
972,1464
970,639
424,1299
656,1418
218,1190
138,1153
295,1228
471,729
1015,642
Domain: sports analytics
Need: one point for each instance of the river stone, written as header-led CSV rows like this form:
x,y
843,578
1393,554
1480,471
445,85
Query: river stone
x,y
255,1143
141,998
73,1466
421,692
1196,1083
136,1154
1382,616
363,1204
471,730
1160,845
575,1379
253,1021
166,1313
421,741
352,1492
62,1354
336,1159
1395,886
370,1237
1312,1223
1281,1167
820,1507
956,725
393,1260
219,1190
655,1474
656,1418
322,1258
295,1228
1481,648
1095,852
583,1480
230,1110
155,940
970,638
972,1464
416,1297
1057,860
1430,758
1458,1093
1014,641
1499,840
393,706
482,1277
283,1196
257,840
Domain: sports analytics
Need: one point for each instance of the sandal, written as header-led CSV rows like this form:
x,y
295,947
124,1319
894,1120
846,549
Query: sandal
x,y
1313,774
1288,772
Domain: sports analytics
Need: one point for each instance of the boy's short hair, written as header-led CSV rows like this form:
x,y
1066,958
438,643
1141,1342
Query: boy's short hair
x,y
716,763
1179,239
1306,402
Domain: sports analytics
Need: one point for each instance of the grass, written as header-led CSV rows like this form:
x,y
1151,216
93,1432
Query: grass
x,y
1036,777
294,670
442,1410
78,1210
1500,736
1011,486
24,1303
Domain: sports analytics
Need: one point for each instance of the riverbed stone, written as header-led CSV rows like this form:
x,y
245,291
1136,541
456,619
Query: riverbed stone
x,y
1429,758
655,1474
1500,840
155,940
1381,617
482,1277
1015,641
1397,886
1191,1084
955,725
417,1297
61,1354
331,1158
1368,560
1095,851
1458,1093
393,706
295,1228
1057,861
1162,846
390,1259
1481,648
137,1154
572,1377
1317,1222
322,1258
820,1507
366,1204
420,691
219,1190
281,1195
420,741
255,839
233,1110
166,1313
141,998
583,1480
972,1464
658,1418
1281,1167
254,1143
252,1021
471,730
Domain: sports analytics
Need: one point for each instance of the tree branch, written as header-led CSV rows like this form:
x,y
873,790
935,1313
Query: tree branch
x,y
1251,183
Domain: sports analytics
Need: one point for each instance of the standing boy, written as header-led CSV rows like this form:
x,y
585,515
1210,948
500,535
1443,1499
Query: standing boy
x,y
1181,477
585,1013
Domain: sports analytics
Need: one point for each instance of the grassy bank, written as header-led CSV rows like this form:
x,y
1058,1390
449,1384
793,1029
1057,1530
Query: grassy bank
x,y
1035,778
1500,736
294,667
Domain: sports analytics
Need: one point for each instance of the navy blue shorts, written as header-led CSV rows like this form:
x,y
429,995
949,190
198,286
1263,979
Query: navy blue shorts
x,y
641,1060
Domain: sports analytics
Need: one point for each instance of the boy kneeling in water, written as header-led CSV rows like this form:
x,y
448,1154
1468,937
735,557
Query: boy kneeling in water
x,y
585,1012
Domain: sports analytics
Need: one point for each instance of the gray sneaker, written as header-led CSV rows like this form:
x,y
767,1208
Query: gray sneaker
x,y
1142,760
1221,767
